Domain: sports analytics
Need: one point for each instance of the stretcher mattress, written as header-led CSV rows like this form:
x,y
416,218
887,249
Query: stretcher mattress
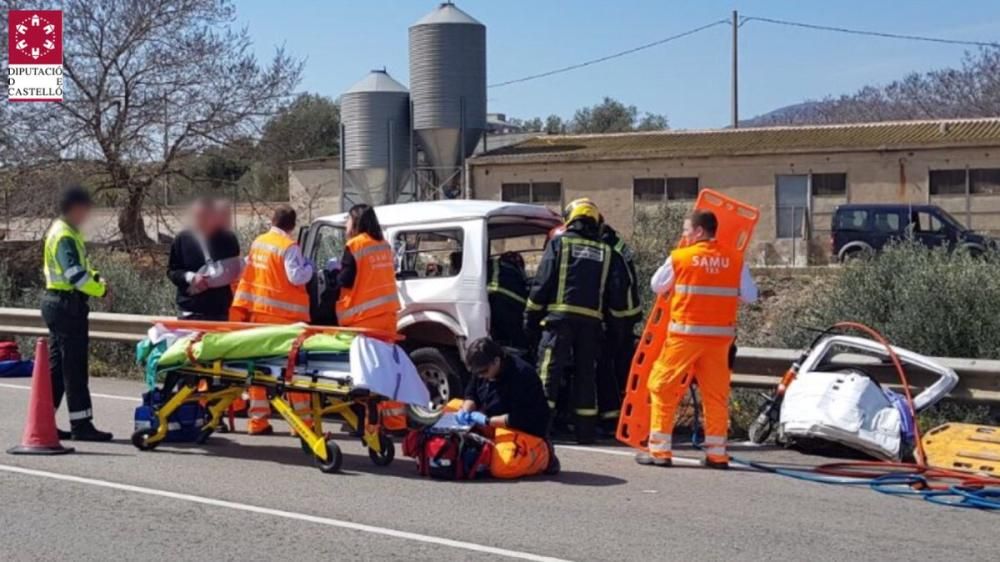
x,y
348,358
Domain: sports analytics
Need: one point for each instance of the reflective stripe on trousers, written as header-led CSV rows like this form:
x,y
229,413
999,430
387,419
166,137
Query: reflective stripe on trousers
x,y
660,442
81,415
715,446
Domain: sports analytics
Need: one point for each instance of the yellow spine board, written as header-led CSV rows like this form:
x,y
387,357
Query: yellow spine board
x,y
964,447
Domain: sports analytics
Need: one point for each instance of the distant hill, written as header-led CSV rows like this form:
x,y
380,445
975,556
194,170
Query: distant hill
x,y
803,113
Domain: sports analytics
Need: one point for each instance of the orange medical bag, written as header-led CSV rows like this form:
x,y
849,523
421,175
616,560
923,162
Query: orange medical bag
x,y
736,224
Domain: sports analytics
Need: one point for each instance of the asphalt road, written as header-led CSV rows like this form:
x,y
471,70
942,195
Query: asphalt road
x,y
260,498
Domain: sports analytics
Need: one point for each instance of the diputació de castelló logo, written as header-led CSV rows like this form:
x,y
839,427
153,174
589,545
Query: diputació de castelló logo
x,y
35,51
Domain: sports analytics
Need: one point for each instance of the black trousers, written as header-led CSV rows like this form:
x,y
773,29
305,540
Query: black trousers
x,y
613,367
66,314
507,321
571,345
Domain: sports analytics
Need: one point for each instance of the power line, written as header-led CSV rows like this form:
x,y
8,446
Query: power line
x,y
609,57
883,34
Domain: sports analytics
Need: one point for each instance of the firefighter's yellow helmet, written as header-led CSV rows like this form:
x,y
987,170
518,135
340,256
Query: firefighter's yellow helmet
x,y
580,208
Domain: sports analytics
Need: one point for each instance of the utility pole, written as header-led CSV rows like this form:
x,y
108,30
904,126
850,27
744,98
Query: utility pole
x,y
735,94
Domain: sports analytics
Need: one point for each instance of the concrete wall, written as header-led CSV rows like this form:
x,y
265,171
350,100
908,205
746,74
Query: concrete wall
x,y
314,187
872,177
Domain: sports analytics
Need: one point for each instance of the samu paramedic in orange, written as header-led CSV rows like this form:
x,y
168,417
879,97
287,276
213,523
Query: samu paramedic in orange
x,y
368,296
272,290
707,282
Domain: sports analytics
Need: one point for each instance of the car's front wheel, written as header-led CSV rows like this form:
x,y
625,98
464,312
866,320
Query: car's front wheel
x,y
441,373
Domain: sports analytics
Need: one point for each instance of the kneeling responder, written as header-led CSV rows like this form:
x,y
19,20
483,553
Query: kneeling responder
x,y
708,282
574,289
505,395
272,290
615,358
70,281
508,293
368,296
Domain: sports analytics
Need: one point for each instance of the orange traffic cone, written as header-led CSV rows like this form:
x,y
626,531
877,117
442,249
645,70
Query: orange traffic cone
x,y
40,434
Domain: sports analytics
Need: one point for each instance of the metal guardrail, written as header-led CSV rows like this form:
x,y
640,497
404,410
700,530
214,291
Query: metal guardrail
x,y
756,367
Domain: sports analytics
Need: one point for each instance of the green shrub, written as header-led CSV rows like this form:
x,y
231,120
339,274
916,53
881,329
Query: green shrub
x,y
657,230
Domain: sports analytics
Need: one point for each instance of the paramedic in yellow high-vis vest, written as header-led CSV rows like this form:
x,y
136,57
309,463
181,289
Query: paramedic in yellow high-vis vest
x,y
707,282
70,281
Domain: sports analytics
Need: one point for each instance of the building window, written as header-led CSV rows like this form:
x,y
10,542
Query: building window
x,y
662,190
792,204
829,185
649,190
682,189
984,181
538,193
980,181
947,182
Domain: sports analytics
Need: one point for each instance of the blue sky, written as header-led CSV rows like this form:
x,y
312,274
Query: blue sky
x,y
688,80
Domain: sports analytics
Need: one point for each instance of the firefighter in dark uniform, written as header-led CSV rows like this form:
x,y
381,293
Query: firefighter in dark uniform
x,y
615,359
508,294
573,291
70,281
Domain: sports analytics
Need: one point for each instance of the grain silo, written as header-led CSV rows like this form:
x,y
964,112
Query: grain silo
x,y
448,91
375,140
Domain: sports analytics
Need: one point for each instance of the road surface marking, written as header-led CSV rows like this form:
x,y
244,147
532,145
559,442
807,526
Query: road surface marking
x,y
92,394
284,514
625,453
618,452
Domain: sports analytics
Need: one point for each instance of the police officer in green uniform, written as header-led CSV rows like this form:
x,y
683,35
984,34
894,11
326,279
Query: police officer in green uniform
x,y
69,282
573,291
615,359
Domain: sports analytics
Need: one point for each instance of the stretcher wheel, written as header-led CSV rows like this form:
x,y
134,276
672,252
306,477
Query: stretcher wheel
x,y
141,439
334,457
386,454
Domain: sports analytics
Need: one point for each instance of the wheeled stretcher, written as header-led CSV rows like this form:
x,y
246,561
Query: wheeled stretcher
x,y
346,375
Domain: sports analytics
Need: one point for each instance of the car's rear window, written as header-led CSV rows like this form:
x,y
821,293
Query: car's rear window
x,y
850,219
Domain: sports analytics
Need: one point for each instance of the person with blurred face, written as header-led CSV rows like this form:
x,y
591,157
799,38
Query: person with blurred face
x,y
70,281
204,262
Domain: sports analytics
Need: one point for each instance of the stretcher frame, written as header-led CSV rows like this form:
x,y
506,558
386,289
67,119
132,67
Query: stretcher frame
x,y
223,385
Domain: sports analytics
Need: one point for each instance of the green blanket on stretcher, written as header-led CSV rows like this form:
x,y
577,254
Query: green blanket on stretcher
x,y
253,343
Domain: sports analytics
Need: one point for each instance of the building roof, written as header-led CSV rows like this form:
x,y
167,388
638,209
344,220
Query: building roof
x,y
451,210
897,135
377,81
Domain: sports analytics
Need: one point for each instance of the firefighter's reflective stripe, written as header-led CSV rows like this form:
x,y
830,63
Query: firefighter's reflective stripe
x,y
585,411
611,415
695,330
532,305
495,287
81,415
582,311
627,313
543,371
707,290
568,251
368,305
261,299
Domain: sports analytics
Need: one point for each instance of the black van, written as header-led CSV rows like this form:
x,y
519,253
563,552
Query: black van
x,y
863,229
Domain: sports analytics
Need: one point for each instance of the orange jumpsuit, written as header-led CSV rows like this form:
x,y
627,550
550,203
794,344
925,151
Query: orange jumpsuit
x,y
373,302
265,295
702,326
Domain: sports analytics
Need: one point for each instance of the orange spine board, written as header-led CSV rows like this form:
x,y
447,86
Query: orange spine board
x,y
736,224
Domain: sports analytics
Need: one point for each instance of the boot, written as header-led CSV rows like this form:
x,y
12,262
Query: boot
x,y
586,430
554,465
647,459
85,431
64,435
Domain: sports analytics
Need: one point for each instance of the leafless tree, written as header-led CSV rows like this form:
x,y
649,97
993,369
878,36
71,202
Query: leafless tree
x,y
148,82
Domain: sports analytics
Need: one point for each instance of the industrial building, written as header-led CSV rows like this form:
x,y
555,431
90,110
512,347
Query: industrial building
x,y
795,175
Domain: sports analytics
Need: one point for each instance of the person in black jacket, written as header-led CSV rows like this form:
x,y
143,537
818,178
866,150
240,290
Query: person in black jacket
x,y
204,261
